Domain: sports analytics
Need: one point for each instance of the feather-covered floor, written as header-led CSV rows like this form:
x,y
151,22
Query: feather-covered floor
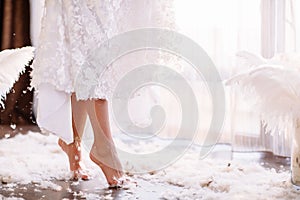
x,y
32,166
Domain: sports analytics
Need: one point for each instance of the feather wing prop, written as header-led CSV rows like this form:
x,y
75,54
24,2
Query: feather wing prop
x,y
273,86
274,89
12,63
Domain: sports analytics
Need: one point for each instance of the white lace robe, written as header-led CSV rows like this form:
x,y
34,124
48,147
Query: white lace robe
x,y
69,30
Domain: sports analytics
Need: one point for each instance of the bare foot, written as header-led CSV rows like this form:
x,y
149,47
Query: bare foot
x,y
112,175
73,151
110,166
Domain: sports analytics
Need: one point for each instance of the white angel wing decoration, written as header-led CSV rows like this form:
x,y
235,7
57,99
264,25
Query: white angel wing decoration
x,y
12,63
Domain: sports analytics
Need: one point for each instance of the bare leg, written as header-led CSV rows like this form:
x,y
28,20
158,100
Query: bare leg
x,y
103,151
73,150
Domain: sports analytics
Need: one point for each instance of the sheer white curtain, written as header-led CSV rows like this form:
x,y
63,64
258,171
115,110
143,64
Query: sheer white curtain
x,y
292,26
221,28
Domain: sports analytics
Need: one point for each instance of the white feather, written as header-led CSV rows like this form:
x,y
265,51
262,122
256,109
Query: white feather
x,y
12,63
274,87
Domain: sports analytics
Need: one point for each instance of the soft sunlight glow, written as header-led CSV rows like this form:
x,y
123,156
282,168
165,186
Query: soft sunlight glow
x,y
222,28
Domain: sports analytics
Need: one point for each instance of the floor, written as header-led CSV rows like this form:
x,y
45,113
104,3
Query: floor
x,y
144,190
